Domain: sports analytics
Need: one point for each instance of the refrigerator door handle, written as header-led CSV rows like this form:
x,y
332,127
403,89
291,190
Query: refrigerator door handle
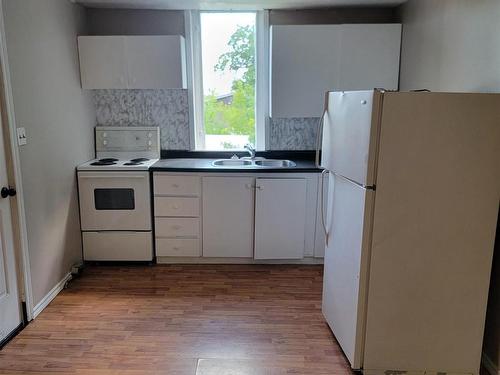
x,y
322,197
320,130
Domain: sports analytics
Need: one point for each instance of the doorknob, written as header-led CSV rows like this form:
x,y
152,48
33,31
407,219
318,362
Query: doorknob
x,y
7,192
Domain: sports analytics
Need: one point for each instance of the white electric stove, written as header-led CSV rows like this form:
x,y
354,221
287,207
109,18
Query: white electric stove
x,y
115,196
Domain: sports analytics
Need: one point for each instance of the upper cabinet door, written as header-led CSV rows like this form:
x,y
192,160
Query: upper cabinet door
x,y
308,60
156,62
370,57
102,62
132,62
305,62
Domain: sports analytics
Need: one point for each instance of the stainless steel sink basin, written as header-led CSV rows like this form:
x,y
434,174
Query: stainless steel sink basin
x,y
231,163
274,163
256,163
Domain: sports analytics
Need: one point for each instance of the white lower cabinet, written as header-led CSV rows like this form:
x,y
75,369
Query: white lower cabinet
x,y
244,217
228,205
280,206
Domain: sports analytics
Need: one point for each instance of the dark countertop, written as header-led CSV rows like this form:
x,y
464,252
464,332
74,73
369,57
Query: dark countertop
x,y
201,161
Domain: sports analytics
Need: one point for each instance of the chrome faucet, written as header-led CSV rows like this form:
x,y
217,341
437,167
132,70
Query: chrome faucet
x,y
250,149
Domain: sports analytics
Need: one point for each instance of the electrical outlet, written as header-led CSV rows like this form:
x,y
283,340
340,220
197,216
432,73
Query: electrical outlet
x,y
21,136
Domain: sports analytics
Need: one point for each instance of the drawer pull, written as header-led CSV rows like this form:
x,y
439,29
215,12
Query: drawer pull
x,y
176,247
175,185
176,227
175,206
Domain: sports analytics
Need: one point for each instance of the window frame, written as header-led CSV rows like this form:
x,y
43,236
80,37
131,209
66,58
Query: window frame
x,y
192,21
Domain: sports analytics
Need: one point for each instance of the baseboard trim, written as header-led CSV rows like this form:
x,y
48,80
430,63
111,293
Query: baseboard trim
x,y
51,295
201,260
488,364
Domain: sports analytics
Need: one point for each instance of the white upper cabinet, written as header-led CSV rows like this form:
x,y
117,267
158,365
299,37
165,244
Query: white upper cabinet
x,y
308,60
305,62
156,62
102,62
132,62
369,57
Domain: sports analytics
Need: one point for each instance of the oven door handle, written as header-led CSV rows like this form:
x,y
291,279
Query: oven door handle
x,y
127,175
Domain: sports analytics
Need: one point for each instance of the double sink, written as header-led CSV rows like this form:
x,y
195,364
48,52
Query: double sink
x,y
258,162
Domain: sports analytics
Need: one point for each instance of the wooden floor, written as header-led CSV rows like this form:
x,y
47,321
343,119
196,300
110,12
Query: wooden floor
x,y
196,319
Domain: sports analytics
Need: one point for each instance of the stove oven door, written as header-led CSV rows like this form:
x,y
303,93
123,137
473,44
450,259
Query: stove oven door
x,y
117,201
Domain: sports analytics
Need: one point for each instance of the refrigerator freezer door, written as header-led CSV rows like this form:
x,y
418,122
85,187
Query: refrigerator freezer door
x,y
346,262
350,135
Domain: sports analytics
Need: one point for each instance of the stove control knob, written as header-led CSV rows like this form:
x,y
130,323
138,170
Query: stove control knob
x,y
104,142
150,135
150,143
104,135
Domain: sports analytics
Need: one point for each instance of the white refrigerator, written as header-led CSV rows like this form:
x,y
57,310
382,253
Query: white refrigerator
x,y
411,212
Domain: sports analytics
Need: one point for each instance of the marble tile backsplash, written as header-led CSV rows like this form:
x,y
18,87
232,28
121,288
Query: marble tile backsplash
x,y
167,109
297,133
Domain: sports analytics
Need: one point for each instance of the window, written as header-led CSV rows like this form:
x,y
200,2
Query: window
x,y
227,50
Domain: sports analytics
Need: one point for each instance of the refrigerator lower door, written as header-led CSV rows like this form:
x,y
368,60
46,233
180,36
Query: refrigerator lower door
x,y
346,265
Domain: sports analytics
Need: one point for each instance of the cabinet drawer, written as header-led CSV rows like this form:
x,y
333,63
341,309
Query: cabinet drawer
x,y
176,247
177,206
177,227
177,185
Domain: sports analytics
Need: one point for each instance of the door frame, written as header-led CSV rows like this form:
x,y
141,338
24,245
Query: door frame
x,y
12,157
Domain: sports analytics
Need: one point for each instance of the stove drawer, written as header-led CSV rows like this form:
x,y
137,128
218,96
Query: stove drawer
x,y
177,227
177,185
177,247
118,246
177,206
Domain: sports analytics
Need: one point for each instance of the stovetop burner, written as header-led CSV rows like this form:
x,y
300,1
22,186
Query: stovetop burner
x,y
132,163
108,160
103,162
138,160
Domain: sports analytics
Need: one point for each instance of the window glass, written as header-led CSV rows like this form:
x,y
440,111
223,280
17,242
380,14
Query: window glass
x,y
228,66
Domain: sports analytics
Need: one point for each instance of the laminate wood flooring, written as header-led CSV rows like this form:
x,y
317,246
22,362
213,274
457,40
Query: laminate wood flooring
x,y
182,319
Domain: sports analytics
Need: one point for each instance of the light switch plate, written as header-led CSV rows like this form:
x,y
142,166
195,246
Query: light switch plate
x,y
21,136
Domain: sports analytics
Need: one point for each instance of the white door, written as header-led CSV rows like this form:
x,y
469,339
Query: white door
x,y
10,312
350,135
346,262
280,207
155,61
228,205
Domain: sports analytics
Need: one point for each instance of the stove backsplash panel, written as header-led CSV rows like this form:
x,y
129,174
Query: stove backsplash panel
x,y
167,109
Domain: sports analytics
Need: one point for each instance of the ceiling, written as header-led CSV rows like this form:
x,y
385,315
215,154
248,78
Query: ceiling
x,y
233,4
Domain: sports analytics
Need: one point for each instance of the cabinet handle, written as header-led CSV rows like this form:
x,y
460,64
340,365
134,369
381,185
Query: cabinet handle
x,y
175,185
249,186
259,187
175,247
175,206
176,227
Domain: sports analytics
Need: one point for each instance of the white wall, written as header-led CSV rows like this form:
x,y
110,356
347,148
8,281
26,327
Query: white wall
x,y
454,45
451,45
59,118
